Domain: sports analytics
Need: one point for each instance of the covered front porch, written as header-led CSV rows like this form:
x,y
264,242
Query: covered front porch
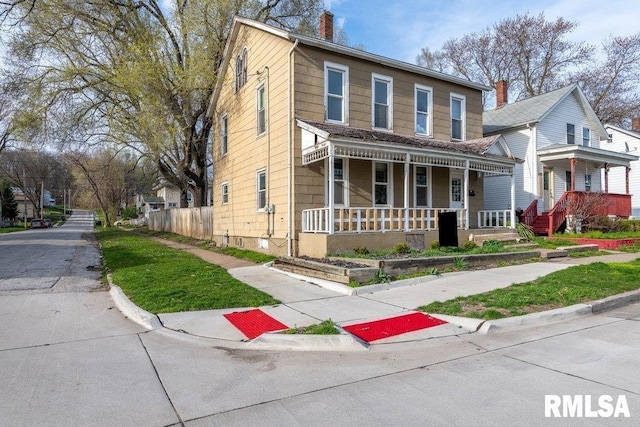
x,y
380,182
570,174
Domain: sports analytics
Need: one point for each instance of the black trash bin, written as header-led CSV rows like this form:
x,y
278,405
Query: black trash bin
x,y
448,228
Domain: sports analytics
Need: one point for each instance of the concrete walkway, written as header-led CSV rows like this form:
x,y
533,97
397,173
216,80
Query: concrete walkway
x,y
306,301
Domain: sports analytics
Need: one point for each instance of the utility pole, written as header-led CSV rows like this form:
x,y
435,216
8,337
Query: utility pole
x,y
42,199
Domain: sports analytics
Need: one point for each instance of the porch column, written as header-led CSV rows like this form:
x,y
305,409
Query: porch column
x,y
330,171
573,174
626,177
606,177
513,198
466,195
406,192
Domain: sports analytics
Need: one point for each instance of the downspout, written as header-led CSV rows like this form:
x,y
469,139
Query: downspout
x,y
290,155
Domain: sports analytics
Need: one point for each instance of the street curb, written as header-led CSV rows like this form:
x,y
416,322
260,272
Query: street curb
x,y
302,342
615,301
535,319
468,323
132,311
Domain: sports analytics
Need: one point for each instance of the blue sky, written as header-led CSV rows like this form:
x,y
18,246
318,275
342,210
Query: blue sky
x,y
399,29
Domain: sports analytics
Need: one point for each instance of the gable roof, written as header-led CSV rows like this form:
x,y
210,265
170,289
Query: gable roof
x,y
629,132
492,147
535,109
329,46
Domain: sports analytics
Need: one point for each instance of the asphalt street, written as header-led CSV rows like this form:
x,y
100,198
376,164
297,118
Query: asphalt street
x,y
69,357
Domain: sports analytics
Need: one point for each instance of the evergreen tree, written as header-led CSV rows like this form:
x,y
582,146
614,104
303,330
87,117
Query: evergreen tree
x,y
9,204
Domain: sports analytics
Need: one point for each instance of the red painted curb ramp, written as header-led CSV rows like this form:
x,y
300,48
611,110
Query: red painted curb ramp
x,y
385,328
253,323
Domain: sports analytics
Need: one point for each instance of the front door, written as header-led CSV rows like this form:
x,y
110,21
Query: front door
x,y
456,194
547,189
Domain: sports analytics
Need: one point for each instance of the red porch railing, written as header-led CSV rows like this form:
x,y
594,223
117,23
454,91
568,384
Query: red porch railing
x,y
529,215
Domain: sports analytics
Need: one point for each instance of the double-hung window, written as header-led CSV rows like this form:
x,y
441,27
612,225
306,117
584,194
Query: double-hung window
x,y
421,187
423,106
382,108
457,117
571,133
381,182
336,90
225,193
340,181
261,190
224,135
586,137
587,182
261,121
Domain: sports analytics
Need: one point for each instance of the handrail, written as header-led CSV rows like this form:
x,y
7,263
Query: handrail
x,y
529,215
559,213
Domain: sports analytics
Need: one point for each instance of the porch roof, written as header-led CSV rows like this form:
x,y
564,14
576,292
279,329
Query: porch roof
x,y
597,156
489,154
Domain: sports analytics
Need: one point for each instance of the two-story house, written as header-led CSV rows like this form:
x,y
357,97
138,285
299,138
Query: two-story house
x,y
561,140
620,180
321,148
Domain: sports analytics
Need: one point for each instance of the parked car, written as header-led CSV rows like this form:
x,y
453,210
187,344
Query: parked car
x,y
38,223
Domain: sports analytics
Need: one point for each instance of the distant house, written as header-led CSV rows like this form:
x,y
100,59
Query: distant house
x,y
146,204
626,141
322,148
47,200
171,195
562,143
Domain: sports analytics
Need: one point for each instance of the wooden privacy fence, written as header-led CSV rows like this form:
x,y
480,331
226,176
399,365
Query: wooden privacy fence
x,y
192,222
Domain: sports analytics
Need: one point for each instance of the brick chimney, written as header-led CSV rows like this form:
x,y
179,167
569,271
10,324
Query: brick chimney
x,y
635,124
502,96
326,26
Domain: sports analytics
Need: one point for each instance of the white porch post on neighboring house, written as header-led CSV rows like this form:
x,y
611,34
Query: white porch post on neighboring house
x,y
465,194
513,198
406,192
330,171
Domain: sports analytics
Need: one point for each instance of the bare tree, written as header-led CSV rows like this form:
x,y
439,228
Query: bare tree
x,y
133,73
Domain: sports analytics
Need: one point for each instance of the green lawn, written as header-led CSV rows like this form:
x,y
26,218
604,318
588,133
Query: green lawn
x,y
11,229
164,280
563,288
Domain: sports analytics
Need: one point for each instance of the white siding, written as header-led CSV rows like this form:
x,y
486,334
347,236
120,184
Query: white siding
x,y
617,180
497,189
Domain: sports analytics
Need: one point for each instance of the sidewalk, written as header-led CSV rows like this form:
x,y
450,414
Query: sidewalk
x,y
306,301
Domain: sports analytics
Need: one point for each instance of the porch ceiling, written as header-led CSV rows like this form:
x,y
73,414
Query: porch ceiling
x,y
596,156
355,143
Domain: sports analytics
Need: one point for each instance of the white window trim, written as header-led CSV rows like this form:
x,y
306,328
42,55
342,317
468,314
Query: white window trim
x,y
345,179
389,81
223,186
389,184
583,138
258,172
463,111
415,186
429,90
241,74
345,91
260,87
224,134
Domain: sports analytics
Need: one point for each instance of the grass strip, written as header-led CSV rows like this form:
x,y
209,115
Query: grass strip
x,y
165,280
11,229
324,328
574,285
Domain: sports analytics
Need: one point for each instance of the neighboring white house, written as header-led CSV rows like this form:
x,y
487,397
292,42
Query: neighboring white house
x,y
171,195
561,141
146,204
626,141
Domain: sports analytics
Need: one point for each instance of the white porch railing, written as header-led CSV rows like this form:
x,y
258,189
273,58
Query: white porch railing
x,y
379,219
494,219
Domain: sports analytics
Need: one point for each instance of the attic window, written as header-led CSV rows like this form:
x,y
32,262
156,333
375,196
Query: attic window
x,y
241,69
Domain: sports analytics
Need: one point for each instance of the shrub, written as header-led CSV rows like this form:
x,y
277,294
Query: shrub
x,y
435,245
525,232
469,245
360,250
402,248
493,246
129,212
